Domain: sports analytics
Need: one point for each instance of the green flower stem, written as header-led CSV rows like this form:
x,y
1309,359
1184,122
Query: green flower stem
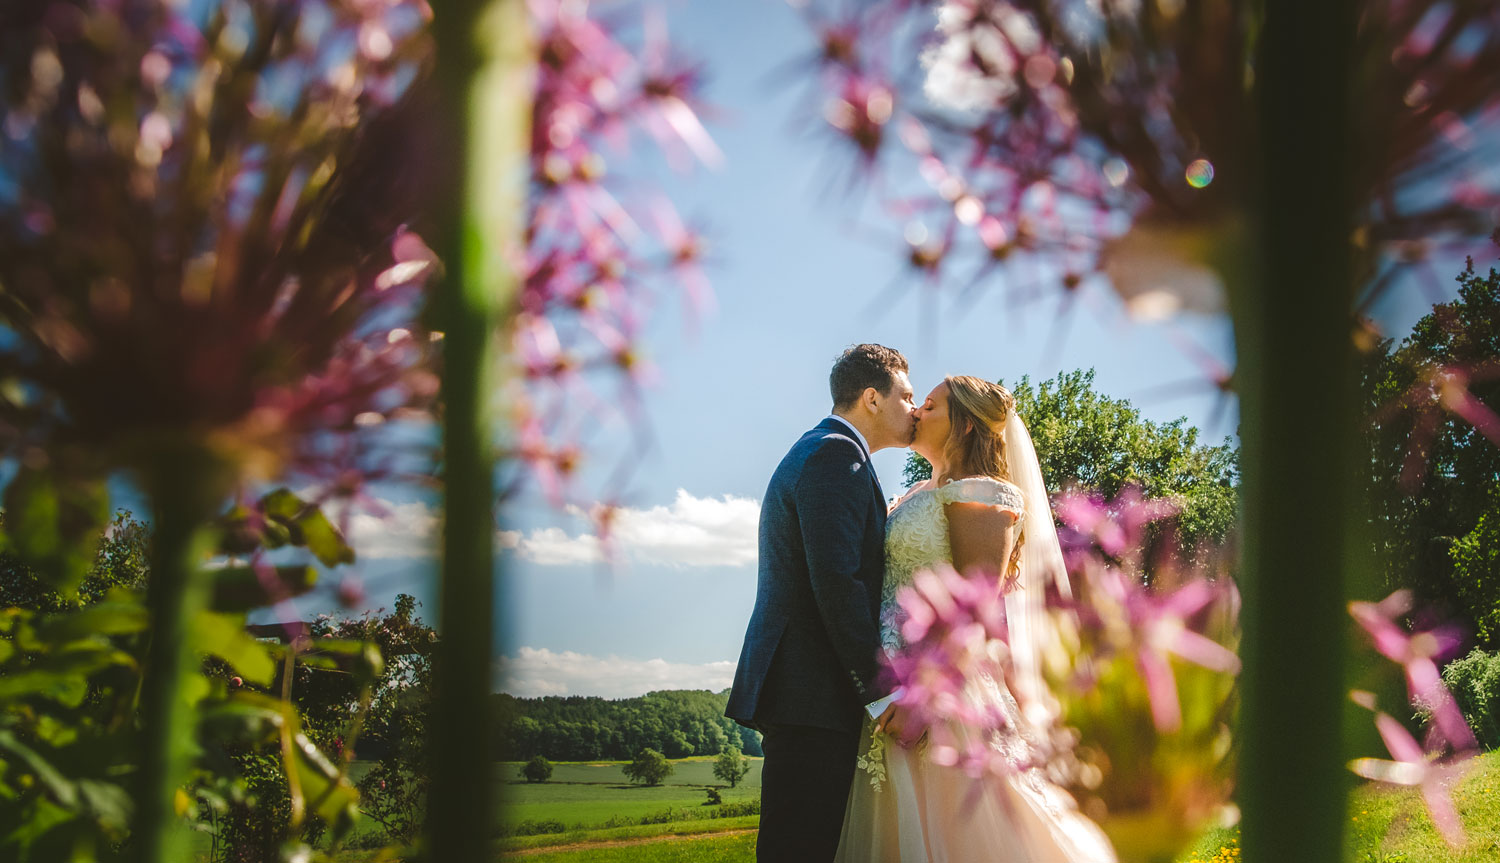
x,y
1293,332
288,746
484,72
184,484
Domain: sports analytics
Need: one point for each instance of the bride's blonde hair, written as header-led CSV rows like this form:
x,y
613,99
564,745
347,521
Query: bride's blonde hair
x,y
977,413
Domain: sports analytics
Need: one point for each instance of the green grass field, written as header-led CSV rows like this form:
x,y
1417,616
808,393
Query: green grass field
x,y
590,793
719,849
1390,825
1386,825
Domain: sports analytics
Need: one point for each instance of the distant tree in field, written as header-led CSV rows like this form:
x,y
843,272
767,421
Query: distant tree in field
x,y
649,767
1435,479
538,769
714,797
731,766
1090,441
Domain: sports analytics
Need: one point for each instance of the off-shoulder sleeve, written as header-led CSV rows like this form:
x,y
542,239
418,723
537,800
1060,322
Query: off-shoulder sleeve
x,y
983,489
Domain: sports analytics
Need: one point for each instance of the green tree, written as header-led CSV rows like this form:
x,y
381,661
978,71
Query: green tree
x,y
1087,440
538,769
120,561
395,791
649,767
731,766
1434,501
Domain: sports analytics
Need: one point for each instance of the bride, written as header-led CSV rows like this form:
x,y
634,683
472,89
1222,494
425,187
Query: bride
x,y
985,506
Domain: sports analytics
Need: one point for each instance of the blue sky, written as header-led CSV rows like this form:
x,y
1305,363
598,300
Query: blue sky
x,y
795,272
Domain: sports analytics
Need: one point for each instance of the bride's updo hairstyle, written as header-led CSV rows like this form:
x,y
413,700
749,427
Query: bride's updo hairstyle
x,y
977,413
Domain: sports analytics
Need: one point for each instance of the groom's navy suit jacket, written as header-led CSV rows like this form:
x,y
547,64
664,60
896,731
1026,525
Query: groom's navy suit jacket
x,y
810,652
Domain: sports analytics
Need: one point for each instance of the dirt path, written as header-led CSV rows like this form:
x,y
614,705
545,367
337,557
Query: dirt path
x,y
616,843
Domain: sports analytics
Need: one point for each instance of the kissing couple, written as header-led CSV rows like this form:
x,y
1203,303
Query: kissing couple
x,y
832,558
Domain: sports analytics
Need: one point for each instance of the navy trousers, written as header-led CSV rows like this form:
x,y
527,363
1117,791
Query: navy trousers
x,y
804,787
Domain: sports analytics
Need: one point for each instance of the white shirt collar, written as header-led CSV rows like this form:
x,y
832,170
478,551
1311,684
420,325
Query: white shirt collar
x,y
864,444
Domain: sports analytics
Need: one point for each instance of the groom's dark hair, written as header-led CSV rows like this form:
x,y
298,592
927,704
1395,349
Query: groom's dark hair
x,y
860,367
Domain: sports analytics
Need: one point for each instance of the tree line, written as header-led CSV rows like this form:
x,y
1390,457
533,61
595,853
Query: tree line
x,y
676,723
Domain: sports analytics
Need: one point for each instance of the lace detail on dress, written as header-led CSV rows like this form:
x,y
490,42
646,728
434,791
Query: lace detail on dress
x,y
873,761
983,489
916,536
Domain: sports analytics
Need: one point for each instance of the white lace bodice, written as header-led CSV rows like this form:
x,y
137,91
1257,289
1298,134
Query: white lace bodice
x,y
916,535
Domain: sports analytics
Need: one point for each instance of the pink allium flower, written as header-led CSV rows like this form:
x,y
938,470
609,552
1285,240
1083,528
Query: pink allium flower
x,y
1414,767
1418,653
596,248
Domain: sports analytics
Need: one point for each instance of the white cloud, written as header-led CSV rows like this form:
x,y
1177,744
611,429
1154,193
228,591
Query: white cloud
x,y
406,530
691,532
552,546
534,672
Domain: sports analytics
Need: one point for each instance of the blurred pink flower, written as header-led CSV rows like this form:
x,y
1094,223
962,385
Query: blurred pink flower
x,y
1414,767
596,253
1418,654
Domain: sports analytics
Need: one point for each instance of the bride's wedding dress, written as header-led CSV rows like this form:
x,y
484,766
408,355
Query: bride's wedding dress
x,y
903,807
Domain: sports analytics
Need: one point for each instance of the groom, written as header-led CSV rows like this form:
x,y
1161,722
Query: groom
x,y
808,668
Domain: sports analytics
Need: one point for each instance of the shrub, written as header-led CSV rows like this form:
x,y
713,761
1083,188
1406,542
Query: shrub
x,y
1475,683
538,769
736,809
666,816
714,798
537,828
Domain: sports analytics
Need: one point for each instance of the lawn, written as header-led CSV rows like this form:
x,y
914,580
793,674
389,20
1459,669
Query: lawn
x,y
1390,825
590,793
1386,825
738,848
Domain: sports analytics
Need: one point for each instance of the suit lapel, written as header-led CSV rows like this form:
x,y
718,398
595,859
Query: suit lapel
x,y
830,424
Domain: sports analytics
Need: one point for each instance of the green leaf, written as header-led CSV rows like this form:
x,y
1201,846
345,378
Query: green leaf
x,y
63,675
307,526
282,505
323,539
51,779
239,588
56,525
224,636
247,719
328,792
195,688
110,805
43,816
104,618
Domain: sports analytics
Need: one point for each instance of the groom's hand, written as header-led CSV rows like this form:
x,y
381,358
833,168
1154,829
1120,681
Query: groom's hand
x,y
894,722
